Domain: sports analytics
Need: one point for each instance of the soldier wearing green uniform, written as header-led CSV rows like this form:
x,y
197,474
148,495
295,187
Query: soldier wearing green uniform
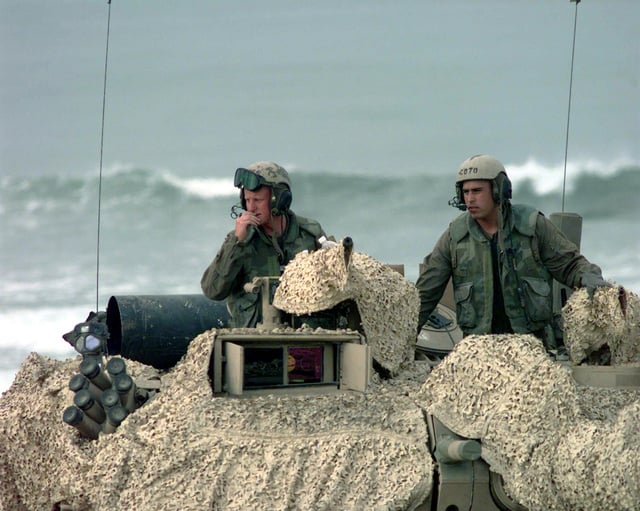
x,y
266,237
501,259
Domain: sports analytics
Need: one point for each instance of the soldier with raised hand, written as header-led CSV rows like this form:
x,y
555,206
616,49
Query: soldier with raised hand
x,y
501,258
266,237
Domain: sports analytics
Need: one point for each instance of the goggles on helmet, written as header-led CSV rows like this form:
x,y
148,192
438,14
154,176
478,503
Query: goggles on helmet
x,y
249,180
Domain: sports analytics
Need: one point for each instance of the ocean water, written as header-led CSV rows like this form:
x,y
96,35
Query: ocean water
x,y
371,106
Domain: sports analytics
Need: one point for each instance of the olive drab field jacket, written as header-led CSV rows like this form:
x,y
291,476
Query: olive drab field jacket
x,y
238,262
532,252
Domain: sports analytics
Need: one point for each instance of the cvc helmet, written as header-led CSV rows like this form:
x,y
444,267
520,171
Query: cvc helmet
x,y
266,173
482,166
272,173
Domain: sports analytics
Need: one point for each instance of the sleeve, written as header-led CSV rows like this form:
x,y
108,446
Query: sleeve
x,y
562,257
433,278
219,278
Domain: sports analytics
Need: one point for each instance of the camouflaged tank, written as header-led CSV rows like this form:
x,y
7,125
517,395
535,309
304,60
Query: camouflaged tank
x,y
326,404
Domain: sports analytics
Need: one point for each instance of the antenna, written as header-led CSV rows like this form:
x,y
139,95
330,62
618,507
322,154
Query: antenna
x,y
104,102
566,143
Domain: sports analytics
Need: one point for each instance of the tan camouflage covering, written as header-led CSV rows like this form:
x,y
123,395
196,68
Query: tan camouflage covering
x,y
272,173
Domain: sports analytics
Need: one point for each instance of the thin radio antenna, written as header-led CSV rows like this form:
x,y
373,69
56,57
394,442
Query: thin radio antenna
x,y
104,102
566,143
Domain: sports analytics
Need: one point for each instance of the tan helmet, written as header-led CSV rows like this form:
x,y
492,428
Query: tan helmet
x,y
268,174
272,173
482,166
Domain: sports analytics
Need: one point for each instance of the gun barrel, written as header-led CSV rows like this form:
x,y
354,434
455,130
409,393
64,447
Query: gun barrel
x,y
451,450
347,243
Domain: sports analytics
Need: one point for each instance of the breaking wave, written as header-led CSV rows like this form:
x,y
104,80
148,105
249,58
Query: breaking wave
x,y
592,187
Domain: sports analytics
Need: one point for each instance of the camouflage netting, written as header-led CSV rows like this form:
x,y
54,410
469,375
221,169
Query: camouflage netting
x,y
388,303
38,454
42,460
611,321
313,281
557,445
188,450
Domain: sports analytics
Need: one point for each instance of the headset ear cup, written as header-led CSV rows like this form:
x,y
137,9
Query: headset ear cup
x,y
280,201
243,203
497,193
506,193
461,205
284,201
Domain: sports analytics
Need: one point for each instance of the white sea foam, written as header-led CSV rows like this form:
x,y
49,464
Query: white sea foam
x,y
549,177
35,329
40,329
205,188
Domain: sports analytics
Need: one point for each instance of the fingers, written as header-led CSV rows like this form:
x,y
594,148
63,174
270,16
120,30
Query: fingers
x,y
248,219
243,222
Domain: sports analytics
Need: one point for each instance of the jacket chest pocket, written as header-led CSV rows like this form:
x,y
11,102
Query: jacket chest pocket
x,y
465,312
537,297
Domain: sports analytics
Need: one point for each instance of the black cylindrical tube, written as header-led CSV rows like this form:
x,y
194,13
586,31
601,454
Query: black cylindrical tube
x,y
126,388
157,330
89,406
80,381
109,399
115,415
92,369
75,417
116,366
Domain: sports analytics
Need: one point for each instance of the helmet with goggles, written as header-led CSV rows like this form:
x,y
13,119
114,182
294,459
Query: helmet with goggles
x,y
262,173
270,174
482,167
